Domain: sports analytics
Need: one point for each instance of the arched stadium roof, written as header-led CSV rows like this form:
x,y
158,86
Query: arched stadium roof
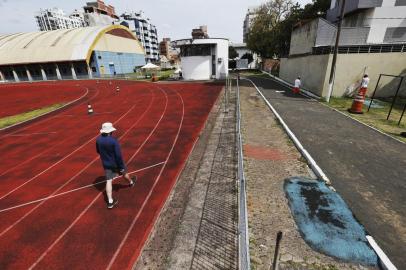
x,y
66,45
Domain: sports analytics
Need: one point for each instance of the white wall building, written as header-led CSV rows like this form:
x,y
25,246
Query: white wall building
x,y
380,21
55,18
145,32
203,59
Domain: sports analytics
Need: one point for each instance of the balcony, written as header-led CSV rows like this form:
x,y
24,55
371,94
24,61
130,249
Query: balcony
x,y
351,6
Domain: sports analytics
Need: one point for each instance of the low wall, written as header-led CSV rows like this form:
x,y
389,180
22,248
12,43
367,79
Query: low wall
x,y
315,71
311,69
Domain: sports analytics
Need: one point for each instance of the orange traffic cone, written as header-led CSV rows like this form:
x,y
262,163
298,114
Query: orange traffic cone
x,y
89,108
358,102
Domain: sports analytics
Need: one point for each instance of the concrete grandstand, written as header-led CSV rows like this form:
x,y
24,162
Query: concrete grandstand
x,y
69,54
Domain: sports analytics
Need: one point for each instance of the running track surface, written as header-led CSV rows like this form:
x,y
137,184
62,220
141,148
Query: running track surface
x,y
52,211
24,97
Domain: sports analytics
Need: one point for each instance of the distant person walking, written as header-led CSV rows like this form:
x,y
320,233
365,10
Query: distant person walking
x,y
296,89
110,154
364,85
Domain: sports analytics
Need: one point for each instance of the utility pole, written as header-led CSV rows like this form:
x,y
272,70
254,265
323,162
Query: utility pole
x,y
333,63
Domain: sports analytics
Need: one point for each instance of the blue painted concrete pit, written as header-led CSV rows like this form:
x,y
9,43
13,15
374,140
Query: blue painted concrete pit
x,y
326,223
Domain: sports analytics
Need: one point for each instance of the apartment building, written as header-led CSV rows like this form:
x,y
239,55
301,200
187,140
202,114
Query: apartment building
x,y
145,31
55,18
372,21
99,13
249,17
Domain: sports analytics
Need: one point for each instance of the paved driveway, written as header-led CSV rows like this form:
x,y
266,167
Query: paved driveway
x,y
367,168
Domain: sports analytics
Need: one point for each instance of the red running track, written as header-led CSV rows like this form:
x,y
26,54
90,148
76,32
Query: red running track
x,y
24,97
52,207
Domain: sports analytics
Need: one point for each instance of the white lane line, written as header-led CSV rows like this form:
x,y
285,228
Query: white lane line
x,y
152,188
93,201
61,160
73,177
76,189
41,153
30,134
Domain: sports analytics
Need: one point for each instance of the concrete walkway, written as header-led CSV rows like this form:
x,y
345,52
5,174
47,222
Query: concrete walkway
x,y
366,167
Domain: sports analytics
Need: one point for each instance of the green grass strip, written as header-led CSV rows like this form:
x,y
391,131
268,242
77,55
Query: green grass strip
x,y
376,117
15,119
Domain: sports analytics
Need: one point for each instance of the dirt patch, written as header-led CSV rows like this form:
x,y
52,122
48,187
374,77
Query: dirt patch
x,y
265,153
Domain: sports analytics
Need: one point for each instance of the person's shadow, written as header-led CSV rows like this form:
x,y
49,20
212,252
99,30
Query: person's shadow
x,y
99,183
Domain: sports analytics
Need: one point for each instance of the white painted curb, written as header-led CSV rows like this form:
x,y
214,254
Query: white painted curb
x,y
382,256
312,163
319,172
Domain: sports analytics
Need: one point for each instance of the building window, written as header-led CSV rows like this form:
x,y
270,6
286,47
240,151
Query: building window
x,y
99,57
395,34
400,3
196,50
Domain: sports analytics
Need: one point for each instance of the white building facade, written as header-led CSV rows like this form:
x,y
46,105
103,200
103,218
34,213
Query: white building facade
x,y
203,59
145,32
54,19
378,21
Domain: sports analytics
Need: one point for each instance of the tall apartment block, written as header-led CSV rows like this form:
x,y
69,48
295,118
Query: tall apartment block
x,y
145,32
371,21
93,14
55,18
251,14
98,13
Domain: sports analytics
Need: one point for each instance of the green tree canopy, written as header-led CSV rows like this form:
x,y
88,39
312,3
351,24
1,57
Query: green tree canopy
x,y
232,53
272,27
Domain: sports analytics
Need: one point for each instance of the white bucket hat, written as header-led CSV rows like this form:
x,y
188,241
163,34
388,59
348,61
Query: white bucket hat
x,y
107,128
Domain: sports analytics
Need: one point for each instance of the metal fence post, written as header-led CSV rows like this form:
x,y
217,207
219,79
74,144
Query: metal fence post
x,y
243,239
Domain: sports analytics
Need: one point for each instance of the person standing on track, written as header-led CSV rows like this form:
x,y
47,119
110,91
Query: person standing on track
x,y
296,89
110,154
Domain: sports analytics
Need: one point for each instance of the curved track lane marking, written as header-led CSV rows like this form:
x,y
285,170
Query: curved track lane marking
x,y
77,189
97,196
152,188
73,177
46,119
61,160
39,154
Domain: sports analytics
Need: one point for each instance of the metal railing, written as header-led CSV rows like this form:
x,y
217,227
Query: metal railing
x,y
376,48
243,238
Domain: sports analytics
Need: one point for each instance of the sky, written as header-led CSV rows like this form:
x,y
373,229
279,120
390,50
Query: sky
x,y
173,18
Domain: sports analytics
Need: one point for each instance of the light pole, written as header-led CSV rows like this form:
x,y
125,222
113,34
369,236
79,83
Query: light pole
x,y
333,63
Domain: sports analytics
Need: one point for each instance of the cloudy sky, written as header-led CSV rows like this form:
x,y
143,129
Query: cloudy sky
x,y
173,18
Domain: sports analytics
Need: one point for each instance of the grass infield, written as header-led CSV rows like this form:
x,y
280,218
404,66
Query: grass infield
x,y
376,117
15,119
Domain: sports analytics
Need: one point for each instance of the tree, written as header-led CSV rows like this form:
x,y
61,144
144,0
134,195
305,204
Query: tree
x,y
265,29
249,57
232,53
272,27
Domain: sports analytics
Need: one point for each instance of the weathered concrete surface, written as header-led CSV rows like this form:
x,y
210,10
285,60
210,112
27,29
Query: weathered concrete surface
x,y
366,167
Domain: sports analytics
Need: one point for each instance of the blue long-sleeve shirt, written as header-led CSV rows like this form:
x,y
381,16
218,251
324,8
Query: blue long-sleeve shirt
x,y
110,152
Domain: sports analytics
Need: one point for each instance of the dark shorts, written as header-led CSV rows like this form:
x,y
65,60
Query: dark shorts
x,y
112,173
